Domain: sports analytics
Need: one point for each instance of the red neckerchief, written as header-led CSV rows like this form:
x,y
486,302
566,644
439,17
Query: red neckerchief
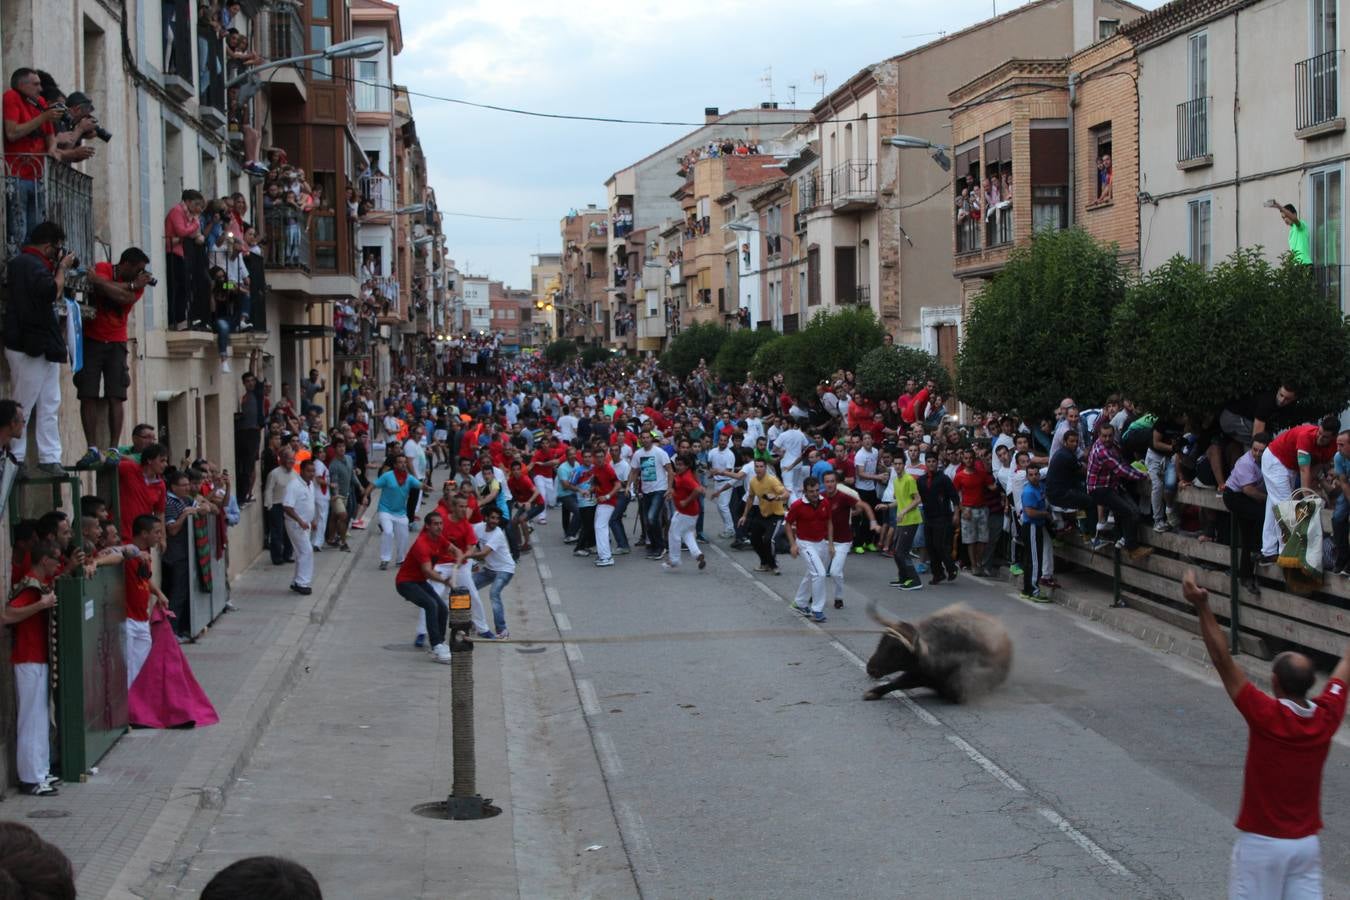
x,y
51,267
400,477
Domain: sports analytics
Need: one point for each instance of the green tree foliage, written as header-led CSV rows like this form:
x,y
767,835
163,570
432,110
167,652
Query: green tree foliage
x,y
883,370
594,354
1186,341
1039,330
838,339
559,352
733,359
692,344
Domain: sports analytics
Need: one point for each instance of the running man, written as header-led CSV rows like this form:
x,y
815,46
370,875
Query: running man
x,y
810,534
844,502
395,487
686,492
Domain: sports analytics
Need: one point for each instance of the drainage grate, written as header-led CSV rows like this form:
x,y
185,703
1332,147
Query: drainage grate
x,y
47,814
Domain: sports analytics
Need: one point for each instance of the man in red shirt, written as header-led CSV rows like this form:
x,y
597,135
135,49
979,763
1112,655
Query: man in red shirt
x,y
140,486
413,583
116,290
1277,852
844,503
182,226
685,492
972,481
30,137
544,464
526,503
459,550
26,613
148,533
1304,450
810,534
605,488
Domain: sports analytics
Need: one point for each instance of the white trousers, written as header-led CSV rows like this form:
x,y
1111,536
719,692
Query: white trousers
x,y
304,553
34,750
393,529
36,388
603,513
1279,487
1264,867
836,570
321,503
135,647
724,510
815,554
545,488
683,532
463,578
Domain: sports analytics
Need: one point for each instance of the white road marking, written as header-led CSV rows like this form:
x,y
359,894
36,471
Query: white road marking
x,y
564,623
1098,631
639,844
553,597
855,658
544,571
768,590
988,765
590,703
1092,847
609,757
573,654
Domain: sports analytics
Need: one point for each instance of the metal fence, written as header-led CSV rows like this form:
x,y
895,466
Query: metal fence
x,y
281,34
1316,89
39,189
287,239
1193,129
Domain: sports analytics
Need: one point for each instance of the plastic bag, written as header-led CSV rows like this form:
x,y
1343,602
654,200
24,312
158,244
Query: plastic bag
x,y
1300,520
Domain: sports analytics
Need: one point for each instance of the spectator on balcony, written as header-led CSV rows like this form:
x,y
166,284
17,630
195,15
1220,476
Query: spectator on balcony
x,y
223,298
30,137
78,122
114,291
353,203
238,52
209,48
182,226
1300,237
35,340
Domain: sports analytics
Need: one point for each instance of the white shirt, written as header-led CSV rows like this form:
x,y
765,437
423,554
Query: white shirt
x,y
567,427
722,459
1003,440
417,459
512,411
651,465
830,402
791,443
865,461
300,497
499,559
754,428
621,470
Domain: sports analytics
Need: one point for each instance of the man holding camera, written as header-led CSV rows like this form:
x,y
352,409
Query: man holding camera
x,y
30,137
79,123
35,339
115,290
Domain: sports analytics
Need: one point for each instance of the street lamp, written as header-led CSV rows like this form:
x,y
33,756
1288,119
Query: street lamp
x,y
411,209
356,48
907,142
738,226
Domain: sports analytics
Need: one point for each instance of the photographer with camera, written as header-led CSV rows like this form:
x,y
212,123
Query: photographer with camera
x,y
35,339
115,290
182,228
30,137
78,123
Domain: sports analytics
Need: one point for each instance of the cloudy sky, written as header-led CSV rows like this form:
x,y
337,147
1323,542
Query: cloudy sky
x,y
641,60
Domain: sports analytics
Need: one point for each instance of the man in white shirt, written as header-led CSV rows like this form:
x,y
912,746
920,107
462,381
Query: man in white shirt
x,y
722,468
791,448
417,467
512,411
865,484
754,428
567,427
301,522
321,504
498,567
651,475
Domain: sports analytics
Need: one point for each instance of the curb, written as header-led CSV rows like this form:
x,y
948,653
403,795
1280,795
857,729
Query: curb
x,y
211,773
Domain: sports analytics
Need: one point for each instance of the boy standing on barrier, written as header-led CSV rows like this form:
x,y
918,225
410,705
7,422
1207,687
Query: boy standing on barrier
x,y
1277,853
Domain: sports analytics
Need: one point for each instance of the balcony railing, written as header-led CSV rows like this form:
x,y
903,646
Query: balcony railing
x,y
1316,89
39,189
211,76
287,239
1329,282
808,191
967,235
177,37
281,34
853,183
861,293
998,225
1193,129
373,96
379,190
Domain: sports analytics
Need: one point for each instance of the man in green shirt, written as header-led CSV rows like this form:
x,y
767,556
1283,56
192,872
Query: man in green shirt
x,y
1300,238
908,520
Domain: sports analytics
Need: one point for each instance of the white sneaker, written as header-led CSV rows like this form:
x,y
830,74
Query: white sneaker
x,y
441,652
225,366
667,567
602,563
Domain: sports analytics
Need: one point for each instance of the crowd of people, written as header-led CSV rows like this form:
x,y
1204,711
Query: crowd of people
x,y
715,149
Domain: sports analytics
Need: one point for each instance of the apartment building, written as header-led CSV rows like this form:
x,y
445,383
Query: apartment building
x,y
1240,105
580,307
545,279
477,303
876,219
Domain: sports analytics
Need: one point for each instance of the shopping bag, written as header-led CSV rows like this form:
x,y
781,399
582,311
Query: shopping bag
x,y
1300,521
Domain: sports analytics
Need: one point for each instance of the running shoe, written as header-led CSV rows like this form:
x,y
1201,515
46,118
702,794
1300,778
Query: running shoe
x,y
912,584
604,563
420,641
818,617
801,610
668,567
1015,570
702,562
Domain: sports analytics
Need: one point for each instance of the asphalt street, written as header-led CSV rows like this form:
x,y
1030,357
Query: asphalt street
x,y
741,760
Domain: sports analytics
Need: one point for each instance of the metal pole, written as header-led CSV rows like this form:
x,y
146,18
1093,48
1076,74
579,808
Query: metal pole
x,y
1235,601
463,802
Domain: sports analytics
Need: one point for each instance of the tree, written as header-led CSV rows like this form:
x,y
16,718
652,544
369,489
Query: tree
x,y
785,355
737,351
883,370
837,339
1186,341
697,342
559,352
594,354
1039,330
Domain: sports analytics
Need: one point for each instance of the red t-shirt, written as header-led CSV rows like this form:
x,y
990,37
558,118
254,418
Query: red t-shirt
x,y
31,635
24,157
971,485
521,487
110,325
423,550
811,521
138,497
20,565
844,466
1300,439
136,572
475,514
841,512
604,480
460,534
542,462
1282,784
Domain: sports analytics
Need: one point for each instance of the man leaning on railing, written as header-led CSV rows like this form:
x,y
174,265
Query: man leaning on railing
x,y
30,136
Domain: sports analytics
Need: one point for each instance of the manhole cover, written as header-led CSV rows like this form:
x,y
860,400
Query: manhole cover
x,y
531,649
464,810
407,648
48,814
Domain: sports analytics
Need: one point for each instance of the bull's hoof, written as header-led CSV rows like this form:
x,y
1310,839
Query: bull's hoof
x,y
873,695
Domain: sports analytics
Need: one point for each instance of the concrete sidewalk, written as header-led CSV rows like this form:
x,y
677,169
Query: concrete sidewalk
x,y
365,736
118,826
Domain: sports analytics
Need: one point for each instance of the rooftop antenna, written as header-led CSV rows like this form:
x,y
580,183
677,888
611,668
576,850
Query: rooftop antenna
x,y
818,77
792,95
767,80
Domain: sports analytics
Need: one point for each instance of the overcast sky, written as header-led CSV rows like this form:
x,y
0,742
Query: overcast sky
x,y
639,60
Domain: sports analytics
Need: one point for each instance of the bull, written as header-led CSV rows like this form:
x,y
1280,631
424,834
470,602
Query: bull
x,y
957,652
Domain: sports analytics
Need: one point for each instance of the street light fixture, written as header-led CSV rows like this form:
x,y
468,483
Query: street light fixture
x,y
908,142
356,48
411,209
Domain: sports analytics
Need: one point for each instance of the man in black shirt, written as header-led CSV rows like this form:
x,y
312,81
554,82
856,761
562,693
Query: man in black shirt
x,y
1064,477
941,507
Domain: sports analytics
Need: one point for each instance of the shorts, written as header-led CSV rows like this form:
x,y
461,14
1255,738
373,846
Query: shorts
x,y
338,506
104,362
1231,424
975,530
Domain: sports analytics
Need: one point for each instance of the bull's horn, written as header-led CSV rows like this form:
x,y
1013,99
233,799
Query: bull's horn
x,y
874,612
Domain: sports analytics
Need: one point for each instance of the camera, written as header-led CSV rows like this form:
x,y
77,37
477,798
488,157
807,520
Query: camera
x,y
100,132
152,281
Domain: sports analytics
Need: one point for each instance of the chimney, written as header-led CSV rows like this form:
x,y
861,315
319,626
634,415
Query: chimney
x,y
710,114
590,206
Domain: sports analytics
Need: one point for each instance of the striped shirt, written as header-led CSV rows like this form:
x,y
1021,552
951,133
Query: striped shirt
x,y
1105,468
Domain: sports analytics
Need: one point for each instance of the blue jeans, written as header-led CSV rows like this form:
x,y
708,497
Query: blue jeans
x,y
498,580
653,509
420,594
571,515
22,208
616,523
223,330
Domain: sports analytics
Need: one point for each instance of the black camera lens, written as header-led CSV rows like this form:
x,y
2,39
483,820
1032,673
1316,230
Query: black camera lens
x,y
102,133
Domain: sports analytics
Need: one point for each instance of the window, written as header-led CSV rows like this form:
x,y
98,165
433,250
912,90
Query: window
x,y
1197,64
1101,148
813,276
368,92
864,139
1324,220
966,185
1106,28
845,274
320,37
1198,215
1193,116
1049,208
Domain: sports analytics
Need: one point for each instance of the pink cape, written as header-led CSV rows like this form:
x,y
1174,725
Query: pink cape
x,y
166,695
